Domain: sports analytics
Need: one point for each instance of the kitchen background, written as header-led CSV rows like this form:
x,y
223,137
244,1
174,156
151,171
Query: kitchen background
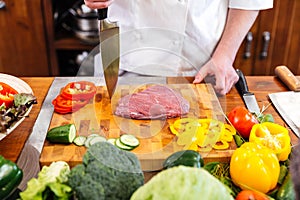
x,y
51,38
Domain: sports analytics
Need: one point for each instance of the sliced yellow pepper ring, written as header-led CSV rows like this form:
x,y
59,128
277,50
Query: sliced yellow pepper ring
x,y
173,130
222,144
203,133
230,129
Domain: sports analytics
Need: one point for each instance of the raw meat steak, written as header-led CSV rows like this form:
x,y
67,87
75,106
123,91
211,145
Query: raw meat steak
x,y
152,103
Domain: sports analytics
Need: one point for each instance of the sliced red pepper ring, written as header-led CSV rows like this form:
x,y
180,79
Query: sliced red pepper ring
x,y
7,100
6,89
7,95
81,90
64,106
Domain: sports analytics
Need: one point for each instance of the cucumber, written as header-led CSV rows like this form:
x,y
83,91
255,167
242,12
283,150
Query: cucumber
x,y
129,140
79,140
97,139
62,134
92,139
120,145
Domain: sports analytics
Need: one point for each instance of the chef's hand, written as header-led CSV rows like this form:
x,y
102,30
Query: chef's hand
x,y
97,4
223,73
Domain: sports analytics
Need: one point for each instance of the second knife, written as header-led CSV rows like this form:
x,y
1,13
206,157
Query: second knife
x,y
248,97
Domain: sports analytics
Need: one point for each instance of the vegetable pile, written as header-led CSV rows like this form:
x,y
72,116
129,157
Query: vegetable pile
x,y
74,96
18,110
106,173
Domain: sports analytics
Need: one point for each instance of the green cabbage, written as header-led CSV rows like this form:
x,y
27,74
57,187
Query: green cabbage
x,y
183,183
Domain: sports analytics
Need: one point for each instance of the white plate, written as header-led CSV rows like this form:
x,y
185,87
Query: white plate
x,y
21,87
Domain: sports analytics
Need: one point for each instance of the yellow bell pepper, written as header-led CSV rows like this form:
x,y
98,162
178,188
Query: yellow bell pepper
x,y
273,136
254,166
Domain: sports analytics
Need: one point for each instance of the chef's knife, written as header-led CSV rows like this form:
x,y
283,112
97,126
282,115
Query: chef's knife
x,y
248,97
109,50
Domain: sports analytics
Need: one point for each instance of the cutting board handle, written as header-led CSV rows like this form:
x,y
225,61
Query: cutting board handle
x,y
288,78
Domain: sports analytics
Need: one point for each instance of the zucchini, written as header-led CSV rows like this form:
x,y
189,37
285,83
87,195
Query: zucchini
x,y
129,140
62,134
122,146
79,140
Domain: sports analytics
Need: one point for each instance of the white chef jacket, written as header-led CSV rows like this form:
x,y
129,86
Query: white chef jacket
x,y
172,37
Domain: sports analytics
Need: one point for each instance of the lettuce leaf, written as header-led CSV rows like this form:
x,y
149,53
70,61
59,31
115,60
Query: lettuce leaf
x,y
49,183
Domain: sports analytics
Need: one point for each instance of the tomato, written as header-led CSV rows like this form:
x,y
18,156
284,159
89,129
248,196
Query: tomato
x,y
80,90
242,120
251,195
7,94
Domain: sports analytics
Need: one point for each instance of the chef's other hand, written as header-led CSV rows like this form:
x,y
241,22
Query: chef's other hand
x,y
97,4
224,74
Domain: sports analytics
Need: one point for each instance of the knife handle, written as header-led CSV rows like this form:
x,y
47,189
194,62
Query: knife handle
x,y
288,78
241,85
102,13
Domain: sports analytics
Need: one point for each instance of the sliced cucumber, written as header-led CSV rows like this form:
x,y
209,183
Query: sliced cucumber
x,y
92,139
79,140
120,145
129,140
94,134
112,141
62,134
97,139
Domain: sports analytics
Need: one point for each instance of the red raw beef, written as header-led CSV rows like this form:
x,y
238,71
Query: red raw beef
x,y
155,102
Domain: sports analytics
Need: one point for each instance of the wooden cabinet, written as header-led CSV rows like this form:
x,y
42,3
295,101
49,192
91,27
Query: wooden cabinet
x,y
275,41
64,46
23,47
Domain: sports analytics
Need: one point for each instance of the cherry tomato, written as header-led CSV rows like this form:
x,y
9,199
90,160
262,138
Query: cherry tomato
x,y
80,90
251,195
7,94
242,120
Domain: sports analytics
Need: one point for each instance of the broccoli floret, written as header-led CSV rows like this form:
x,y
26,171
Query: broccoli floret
x,y
84,186
118,172
90,189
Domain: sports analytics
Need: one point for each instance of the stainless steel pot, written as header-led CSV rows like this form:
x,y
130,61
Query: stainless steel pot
x,y
84,21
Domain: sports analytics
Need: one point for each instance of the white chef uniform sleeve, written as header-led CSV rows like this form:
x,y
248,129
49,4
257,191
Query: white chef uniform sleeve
x,y
251,4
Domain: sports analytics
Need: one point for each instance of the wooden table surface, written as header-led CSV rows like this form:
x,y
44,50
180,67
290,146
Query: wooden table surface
x,y
11,146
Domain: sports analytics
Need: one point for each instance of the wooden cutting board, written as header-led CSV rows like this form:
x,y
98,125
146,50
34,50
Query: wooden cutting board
x,y
156,140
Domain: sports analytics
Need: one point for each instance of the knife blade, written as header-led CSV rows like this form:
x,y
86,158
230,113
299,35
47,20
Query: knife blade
x,y
109,50
248,97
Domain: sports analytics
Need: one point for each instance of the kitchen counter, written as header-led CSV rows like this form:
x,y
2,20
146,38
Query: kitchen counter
x,y
12,145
